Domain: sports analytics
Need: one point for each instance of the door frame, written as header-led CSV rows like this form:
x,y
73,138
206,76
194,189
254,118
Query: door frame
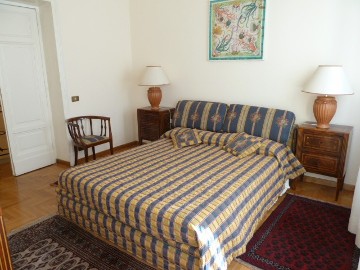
x,y
45,81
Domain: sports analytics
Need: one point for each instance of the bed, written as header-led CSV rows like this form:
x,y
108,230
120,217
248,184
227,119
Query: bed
x,y
192,207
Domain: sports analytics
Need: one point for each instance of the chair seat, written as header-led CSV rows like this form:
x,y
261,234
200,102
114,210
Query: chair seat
x,y
89,139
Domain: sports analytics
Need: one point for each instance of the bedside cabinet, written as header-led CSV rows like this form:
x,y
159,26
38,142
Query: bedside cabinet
x,y
324,151
153,123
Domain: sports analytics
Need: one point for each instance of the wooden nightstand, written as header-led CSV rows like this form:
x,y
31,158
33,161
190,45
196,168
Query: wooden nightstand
x,y
153,123
324,151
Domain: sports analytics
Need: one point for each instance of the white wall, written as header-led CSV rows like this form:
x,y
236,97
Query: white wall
x,y
300,35
53,79
93,39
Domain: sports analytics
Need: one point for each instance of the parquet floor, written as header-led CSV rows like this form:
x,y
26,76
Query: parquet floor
x,y
29,197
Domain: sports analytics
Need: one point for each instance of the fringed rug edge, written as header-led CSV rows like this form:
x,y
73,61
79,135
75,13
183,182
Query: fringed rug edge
x,y
248,265
317,200
32,223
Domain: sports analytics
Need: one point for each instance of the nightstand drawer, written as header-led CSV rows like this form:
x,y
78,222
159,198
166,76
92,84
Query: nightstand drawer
x,y
150,131
149,120
323,143
149,117
320,164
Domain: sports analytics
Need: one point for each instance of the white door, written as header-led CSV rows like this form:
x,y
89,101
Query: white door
x,y
23,89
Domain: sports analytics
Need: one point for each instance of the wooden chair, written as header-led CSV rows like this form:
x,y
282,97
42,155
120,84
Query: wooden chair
x,y
88,132
5,258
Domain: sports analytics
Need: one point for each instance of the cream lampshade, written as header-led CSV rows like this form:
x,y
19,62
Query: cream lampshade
x,y
327,81
154,76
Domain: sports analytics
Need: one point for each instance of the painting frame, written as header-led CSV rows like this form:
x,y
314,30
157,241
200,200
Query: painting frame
x,y
236,29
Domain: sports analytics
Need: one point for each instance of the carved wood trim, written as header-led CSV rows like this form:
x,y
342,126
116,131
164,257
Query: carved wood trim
x,y
5,258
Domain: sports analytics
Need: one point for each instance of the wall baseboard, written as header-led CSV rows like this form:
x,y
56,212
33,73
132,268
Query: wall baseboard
x,y
329,183
62,162
4,160
104,153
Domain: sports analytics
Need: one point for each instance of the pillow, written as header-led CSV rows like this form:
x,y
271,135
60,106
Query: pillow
x,y
203,115
168,134
216,138
273,124
243,145
186,138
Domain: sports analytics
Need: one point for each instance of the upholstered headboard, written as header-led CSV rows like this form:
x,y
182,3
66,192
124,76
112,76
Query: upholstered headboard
x,y
200,115
275,124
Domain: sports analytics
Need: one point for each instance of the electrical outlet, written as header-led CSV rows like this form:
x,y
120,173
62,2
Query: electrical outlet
x,y
75,98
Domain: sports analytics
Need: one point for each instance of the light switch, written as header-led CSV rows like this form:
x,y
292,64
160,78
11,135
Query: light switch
x,y
75,98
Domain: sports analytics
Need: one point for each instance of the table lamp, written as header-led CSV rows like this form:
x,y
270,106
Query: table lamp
x,y
327,81
154,76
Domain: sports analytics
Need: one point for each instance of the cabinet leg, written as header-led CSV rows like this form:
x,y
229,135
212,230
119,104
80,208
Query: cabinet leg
x,y
292,183
339,187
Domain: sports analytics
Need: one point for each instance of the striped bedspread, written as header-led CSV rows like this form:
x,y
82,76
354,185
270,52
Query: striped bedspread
x,y
189,208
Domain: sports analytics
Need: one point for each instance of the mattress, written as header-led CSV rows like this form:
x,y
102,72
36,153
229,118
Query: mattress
x,y
190,208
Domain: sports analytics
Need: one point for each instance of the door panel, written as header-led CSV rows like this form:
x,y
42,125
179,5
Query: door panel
x,y
26,91
15,23
23,89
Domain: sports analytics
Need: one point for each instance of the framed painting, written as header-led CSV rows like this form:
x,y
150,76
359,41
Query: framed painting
x,y
236,29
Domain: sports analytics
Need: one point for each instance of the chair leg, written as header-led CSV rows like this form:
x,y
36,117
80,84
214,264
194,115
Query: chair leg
x,y
76,155
93,150
111,148
86,155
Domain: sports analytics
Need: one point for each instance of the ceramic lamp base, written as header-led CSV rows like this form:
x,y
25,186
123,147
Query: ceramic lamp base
x,y
154,96
324,110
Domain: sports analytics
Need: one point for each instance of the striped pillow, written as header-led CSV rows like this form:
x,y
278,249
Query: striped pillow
x,y
206,137
174,131
243,145
216,138
273,124
186,138
200,115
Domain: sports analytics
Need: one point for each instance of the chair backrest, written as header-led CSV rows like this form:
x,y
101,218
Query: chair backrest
x,y
88,125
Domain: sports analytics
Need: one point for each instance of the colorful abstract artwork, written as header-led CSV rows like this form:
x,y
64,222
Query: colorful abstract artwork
x,y
236,29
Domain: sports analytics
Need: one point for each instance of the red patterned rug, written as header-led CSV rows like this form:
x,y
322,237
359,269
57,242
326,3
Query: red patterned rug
x,y
303,234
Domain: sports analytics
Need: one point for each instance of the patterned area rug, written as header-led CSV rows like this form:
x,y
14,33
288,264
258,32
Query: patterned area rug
x,y
56,243
303,234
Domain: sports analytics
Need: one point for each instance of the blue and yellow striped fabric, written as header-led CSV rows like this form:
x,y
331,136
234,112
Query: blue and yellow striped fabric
x,y
243,145
273,124
200,115
174,132
191,208
189,137
207,137
287,160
